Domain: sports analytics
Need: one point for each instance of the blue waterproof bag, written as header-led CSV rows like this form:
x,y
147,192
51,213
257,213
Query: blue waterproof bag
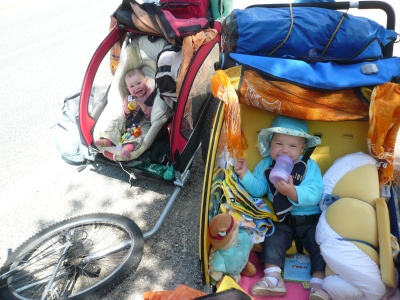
x,y
306,33
323,75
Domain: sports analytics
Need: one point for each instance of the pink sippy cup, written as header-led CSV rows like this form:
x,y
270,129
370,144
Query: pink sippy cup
x,y
282,169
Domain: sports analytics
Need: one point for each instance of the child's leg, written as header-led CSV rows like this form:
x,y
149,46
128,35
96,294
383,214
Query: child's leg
x,y
273,256
127,149
307,234
103,142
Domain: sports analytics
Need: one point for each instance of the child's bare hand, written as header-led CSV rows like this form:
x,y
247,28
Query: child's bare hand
x,y
241,167
286,188
127,111
142,106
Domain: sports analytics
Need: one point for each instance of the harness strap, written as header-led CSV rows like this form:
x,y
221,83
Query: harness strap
x,y
360,241
308,153
163,69
301,220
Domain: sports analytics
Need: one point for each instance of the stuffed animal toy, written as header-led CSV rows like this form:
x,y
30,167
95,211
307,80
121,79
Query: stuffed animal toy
x,y
230,250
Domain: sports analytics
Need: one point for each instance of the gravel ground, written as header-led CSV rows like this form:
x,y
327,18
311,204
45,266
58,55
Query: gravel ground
x,y
170,256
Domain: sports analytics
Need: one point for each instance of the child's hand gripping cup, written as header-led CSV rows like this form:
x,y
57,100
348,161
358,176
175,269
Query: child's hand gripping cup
x,y
132,105
282,169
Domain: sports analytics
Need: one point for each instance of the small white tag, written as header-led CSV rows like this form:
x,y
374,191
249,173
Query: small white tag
x,y
368,69
385,192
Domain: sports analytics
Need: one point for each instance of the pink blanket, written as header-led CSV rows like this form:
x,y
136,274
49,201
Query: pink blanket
x,y
294,290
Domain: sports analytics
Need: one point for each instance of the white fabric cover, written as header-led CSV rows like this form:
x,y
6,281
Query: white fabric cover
x,y
358,277
161,111
338,288
341,167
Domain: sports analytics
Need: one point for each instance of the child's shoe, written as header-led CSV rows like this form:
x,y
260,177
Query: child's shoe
x,y
317,293
103,142
265,287
126,150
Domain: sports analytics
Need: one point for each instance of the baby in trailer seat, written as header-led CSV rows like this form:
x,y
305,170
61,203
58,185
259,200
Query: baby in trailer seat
x,y
136,113
139,53
295,202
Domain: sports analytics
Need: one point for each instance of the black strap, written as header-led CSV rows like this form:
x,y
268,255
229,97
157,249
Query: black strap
x,y
301,220
163,69
150,100
360,241
307,154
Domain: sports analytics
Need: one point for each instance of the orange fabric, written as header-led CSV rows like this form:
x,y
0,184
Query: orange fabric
x,y
158,295
384,123
290,100
182,292
222,88
115,50
189,46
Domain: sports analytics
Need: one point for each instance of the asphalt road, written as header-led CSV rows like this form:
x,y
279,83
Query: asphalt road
x,y
45,49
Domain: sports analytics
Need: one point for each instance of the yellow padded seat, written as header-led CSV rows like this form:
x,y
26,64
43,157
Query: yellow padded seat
x,y
361,183
353,219
361,214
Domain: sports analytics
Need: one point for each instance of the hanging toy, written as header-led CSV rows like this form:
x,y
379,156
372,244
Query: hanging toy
x,y
137,131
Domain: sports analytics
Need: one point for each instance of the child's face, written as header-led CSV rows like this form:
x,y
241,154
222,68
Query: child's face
x,y
136,85
282,144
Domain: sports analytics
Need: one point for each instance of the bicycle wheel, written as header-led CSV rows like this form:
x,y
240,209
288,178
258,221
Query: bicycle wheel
x,y
92,252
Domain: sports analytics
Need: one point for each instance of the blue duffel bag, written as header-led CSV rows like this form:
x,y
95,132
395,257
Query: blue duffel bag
x,y
306,33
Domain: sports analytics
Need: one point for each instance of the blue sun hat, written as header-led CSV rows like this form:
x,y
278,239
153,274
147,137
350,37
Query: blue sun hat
x,y
288,126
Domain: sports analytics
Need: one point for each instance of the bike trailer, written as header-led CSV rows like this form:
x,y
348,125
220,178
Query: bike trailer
x,y
141,36
356,120
83,257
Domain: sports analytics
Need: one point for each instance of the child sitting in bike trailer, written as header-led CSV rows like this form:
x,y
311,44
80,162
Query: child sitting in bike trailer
x,y
295,202
128,130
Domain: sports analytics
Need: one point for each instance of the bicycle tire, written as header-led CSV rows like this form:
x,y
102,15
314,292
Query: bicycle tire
x,y
87,270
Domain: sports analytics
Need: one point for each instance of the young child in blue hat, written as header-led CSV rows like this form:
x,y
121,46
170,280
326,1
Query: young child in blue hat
x,y
300,198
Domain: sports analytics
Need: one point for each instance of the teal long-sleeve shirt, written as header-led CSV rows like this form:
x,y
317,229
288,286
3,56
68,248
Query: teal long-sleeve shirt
x,y
309,192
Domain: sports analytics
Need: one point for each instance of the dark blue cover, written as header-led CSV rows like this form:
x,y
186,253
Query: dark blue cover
x,y
259,30
321,75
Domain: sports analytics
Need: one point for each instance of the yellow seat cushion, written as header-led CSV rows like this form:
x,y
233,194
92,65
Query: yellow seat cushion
x,y
361,214
385,244
353,219
361,183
